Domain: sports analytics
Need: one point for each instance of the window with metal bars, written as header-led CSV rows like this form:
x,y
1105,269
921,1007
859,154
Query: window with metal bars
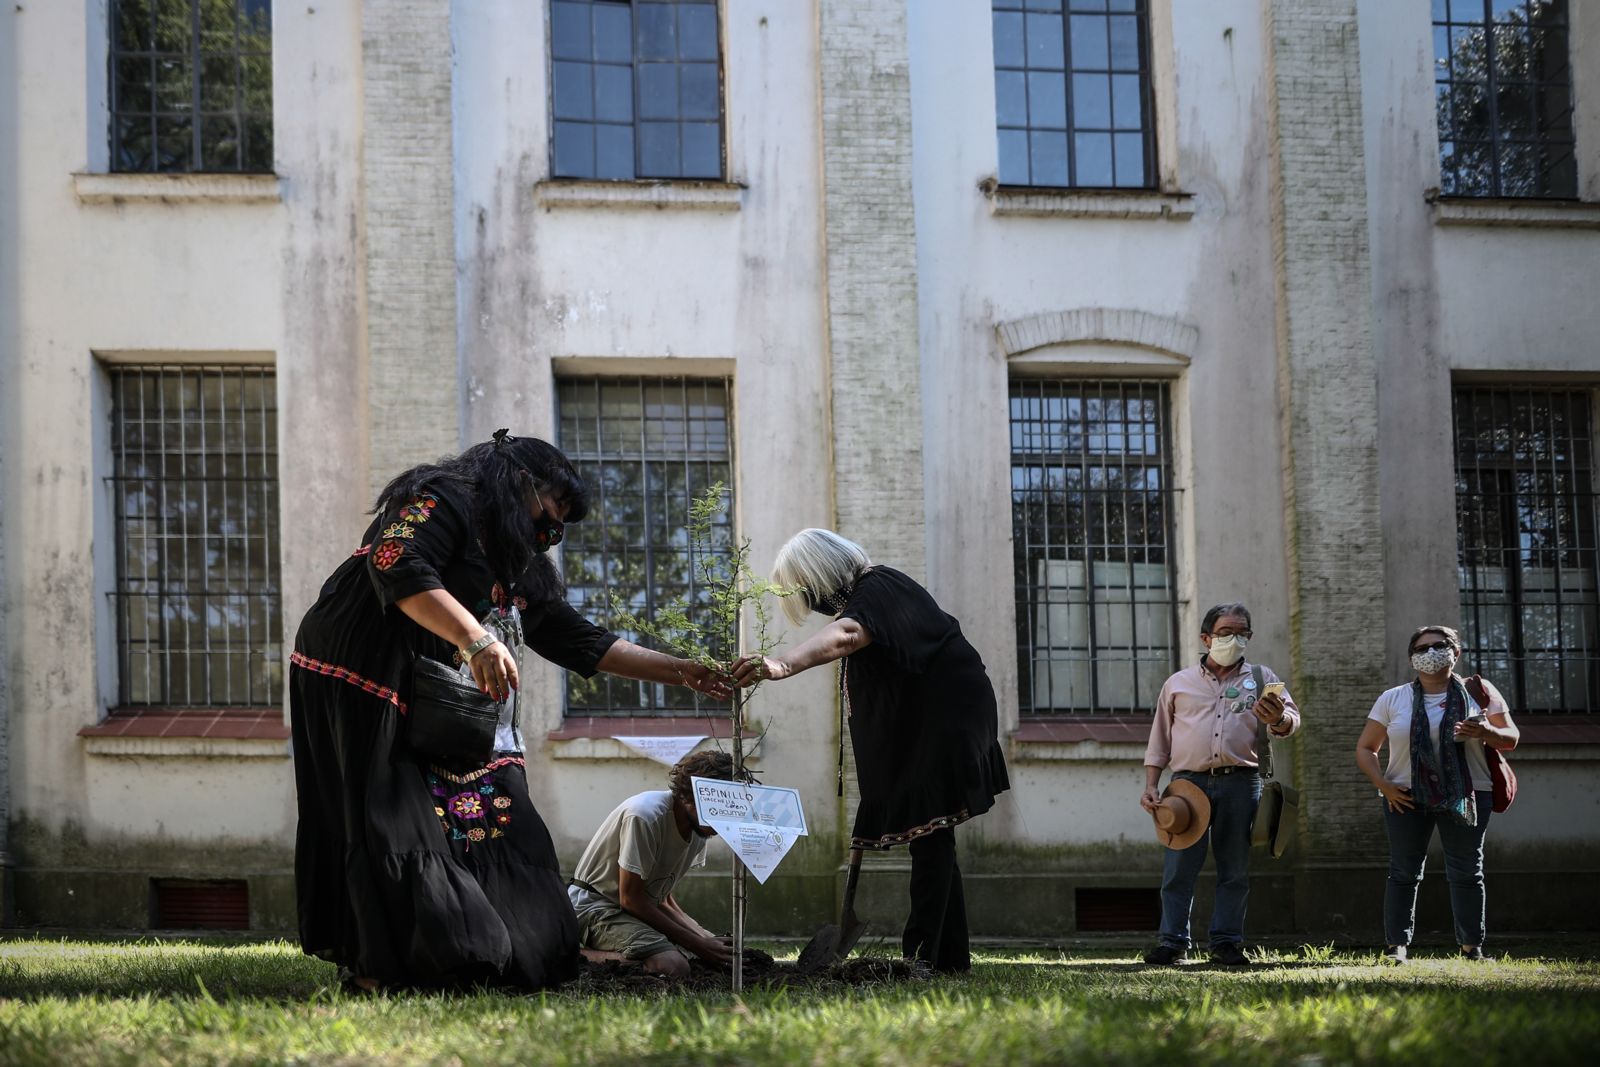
x,y
647,447
635,89
1526,517
194,482
1503,93
1072,93
191,85
1091,520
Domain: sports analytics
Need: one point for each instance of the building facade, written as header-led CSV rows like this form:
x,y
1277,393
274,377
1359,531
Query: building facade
x,y
1087,313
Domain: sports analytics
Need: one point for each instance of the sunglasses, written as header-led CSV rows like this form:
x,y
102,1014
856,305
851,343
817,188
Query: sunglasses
x,y
1437,646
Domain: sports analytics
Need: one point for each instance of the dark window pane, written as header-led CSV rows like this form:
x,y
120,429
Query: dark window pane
x,y
573,85
1090,47
1091,101
172,28
1124,43
1014,157
569,31
1044,42
658,90
258,144
1008,46
613,94
658,150
1011,98
573,150
255,78
702,150
216,27
1092,158
699,93
1042,5
613,152
217,87
697,31
133,84
174,144
130,32
134,144
219,143
174,85
613,33
1047,101
1048,158
657,35
1130,161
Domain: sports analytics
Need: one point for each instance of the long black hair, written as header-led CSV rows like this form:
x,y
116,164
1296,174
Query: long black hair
x,y
501,477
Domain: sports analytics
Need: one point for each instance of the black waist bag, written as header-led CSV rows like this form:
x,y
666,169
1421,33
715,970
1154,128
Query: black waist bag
x,y
450,719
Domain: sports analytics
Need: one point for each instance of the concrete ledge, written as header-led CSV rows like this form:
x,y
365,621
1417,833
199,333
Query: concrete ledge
x,y
1526,214
609,748
1086,203
1023,751
177,188
204,747
633,196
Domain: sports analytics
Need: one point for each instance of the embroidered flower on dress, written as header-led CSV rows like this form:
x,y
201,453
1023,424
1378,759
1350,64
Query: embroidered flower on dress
x,y
497,832
503,819
387,554
502,802
419,509
521,602
439,812
476,834
399,529
466,806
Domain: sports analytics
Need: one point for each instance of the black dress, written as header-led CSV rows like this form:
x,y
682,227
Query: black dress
x,y
923,722
413,874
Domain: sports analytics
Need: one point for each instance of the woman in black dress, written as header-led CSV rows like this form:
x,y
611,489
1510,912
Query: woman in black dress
x,y
922,721
410,873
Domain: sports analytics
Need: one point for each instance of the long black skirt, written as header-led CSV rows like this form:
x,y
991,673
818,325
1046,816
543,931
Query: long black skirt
x,y
414,875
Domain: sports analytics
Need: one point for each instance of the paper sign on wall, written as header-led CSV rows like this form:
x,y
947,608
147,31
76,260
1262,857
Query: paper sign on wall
x,y
668,750
759,822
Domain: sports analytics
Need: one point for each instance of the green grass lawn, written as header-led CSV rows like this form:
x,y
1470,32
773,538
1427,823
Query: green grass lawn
x,y
185,1002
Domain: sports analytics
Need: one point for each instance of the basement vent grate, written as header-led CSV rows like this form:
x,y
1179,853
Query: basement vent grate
x,y
1119,909
182,904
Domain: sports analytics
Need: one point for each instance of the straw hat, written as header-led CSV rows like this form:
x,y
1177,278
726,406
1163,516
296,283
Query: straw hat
x,y
1182,815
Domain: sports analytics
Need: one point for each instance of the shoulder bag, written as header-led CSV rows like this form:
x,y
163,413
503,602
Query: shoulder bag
x,y
449,719
1274,822
1500,772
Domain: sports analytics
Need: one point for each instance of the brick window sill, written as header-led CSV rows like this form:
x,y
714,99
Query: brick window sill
x,y
639,195
593,737
1151,204
177,188
1105,738
1520,214
231,732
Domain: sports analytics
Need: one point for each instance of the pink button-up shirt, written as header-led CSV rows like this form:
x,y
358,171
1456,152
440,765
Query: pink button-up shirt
x,y
1199,726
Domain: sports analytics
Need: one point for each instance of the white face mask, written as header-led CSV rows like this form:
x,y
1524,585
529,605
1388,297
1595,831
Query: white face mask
x,y
1226,651
1433,660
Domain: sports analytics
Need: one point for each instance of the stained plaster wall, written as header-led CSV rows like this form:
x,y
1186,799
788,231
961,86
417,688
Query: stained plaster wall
x,y
195,281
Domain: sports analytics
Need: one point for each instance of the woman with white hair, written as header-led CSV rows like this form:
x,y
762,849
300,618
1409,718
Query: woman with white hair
x,y
922,720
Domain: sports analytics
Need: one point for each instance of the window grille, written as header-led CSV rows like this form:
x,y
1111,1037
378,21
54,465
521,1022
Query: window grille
x,y
1503,92
1525,512
635,89
1091,507
191,85
647,447
1072,93
195,488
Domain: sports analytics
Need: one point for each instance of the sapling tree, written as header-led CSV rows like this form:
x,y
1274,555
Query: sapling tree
x,y
727,615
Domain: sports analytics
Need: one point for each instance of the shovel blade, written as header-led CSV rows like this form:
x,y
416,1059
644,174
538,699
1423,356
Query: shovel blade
x,y
849,934
820,951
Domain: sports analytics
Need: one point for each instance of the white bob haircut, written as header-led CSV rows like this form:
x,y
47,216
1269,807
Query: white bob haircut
x,y
821,563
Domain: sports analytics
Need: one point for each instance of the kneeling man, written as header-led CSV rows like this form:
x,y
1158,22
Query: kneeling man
x,y
622,888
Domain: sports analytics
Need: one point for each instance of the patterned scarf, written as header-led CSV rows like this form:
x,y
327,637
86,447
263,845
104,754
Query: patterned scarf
x,y
1440,781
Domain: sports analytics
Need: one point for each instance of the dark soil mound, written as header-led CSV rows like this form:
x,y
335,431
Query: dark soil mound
x,y
760,970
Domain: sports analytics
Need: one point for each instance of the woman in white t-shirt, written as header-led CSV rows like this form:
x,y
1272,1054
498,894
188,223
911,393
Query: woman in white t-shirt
x,y
1428,784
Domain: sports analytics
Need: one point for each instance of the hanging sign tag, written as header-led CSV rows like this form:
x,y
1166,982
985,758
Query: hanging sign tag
x,y
759,822
668,750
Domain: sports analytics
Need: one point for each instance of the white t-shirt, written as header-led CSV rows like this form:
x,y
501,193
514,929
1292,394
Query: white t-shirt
x,y
640,835
1393,710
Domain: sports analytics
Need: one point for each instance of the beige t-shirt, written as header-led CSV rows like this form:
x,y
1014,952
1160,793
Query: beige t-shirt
x,y
641,836
1393,710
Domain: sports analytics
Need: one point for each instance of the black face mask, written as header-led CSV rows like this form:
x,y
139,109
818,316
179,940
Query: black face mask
x,y
829,604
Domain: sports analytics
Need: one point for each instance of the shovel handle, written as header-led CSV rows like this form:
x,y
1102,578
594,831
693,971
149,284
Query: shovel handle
x,y
852,876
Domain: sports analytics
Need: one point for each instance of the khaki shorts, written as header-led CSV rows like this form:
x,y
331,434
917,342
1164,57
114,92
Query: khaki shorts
x,y
610,929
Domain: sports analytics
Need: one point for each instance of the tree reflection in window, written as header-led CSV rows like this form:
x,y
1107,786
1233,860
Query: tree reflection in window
x,y
1503,94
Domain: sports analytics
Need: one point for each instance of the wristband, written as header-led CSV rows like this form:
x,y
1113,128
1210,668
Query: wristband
x,y
468,651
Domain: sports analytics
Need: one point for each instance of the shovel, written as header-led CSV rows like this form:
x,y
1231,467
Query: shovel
x,y
834,941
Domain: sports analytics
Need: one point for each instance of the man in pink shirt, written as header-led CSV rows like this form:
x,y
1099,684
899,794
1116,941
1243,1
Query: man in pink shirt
x,y
1207,721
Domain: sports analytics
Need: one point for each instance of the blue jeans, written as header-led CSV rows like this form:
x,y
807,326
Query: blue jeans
x,y
1233,806
1409,834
